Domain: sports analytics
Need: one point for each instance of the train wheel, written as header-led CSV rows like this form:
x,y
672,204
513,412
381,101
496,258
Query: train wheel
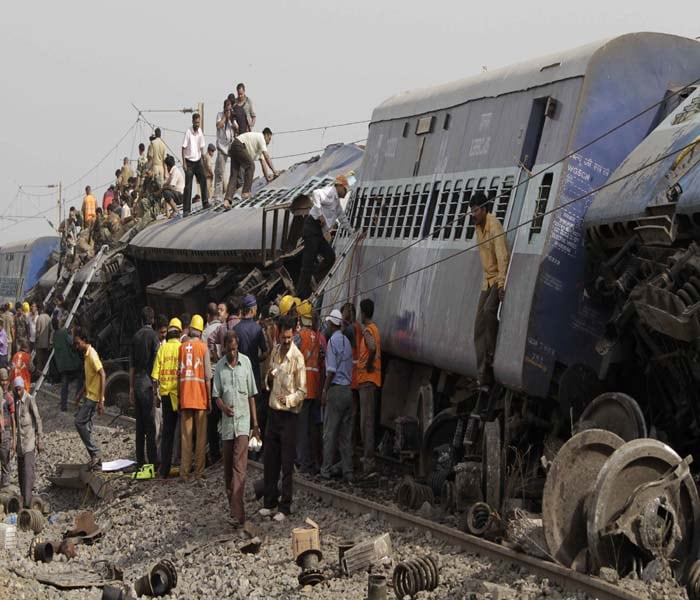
x,y
492,464
615,412
117,390
644,505
570,481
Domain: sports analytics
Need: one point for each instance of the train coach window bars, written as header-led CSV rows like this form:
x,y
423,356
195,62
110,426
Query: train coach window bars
x,y
543,193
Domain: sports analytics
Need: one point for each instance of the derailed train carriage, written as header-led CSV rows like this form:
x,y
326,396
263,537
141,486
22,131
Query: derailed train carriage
x,y
597,304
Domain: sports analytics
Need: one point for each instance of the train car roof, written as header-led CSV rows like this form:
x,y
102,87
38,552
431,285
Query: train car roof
x,y
239,229
22,244
565,64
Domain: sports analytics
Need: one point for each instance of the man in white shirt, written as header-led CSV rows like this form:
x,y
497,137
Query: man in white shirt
x,y
325,211
244,151
173,187
192,150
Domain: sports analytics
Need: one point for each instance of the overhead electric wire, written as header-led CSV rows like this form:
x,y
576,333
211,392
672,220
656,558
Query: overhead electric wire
x,y
532,176
515,227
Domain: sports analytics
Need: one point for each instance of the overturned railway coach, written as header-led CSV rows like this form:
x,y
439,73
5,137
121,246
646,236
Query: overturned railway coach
x,y
536,137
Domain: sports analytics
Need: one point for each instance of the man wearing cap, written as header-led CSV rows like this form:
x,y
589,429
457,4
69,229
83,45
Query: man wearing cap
x,y
337,398
165,388
8,430
245,150
192,151
29,438
326,210
194,398
142,355
234,392
21,327
286,380
208,162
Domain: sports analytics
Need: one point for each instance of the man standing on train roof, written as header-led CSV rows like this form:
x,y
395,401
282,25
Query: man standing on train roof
x,y
244,151
326,210
156,154
193,149
494,261
89,207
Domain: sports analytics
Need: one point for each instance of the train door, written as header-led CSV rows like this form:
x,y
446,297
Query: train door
x,y
541,108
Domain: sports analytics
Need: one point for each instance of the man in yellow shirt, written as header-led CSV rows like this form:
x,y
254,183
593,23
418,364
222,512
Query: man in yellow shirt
x,y
92,393
493,252
164,377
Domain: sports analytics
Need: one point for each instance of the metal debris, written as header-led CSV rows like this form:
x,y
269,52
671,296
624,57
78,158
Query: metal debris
x,y
306,546
42,551
415,575
79,476
478,518
412,495
363,555
85,530
158,581
376,587
31,519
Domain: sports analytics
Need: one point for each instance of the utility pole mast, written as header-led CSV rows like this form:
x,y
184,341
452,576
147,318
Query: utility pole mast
x,y
60,205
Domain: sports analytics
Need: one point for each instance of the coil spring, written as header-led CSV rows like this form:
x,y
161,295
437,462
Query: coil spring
x,y
436,481
412,495
693,585
689,293
415,575
31,519
447,496
478,518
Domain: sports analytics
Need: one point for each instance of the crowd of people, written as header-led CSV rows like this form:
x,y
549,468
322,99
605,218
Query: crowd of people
x,y
286,387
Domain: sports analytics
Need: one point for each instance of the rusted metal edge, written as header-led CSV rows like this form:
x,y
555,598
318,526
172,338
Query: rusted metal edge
x,y
566,578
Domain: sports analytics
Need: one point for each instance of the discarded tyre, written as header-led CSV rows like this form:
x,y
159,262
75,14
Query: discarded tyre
x,y
415,575
31,519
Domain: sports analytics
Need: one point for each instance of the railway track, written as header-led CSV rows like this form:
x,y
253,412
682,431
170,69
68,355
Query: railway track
x,y
566,578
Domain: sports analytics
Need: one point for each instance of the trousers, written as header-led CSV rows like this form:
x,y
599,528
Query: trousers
x,y
305,427
220,179
368,392
486,333
25,474
337,430
213,433
145,420
278,454
168,435
83,423
193,419
68,377
5,445
314,244
235,467
194,168
240,160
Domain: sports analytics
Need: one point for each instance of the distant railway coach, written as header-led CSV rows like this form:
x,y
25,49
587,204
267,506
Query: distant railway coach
x,y
22,264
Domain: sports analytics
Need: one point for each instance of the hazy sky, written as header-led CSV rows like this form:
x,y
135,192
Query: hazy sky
x,y
72,69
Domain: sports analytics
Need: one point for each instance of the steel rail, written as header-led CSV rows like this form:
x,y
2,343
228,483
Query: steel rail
x,y
567,578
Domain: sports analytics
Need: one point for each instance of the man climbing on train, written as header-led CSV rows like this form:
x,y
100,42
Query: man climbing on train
x,y
326,210
493,252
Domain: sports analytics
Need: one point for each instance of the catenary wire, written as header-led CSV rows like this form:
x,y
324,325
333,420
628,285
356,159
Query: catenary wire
x,y
532,176
516,227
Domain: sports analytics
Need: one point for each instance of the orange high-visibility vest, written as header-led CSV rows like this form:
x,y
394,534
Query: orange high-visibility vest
x,y
20,368
193,383
375,376
89,209
310,348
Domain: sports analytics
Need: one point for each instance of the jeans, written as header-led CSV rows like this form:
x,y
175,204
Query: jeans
x,y
213,433
305,427
235,466
240,160
194,169
279,451
314,244
26,476
367,400
337,430
220,179
145,420
168,435
83,423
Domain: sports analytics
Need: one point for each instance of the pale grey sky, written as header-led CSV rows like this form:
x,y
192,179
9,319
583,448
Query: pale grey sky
x,y
72,69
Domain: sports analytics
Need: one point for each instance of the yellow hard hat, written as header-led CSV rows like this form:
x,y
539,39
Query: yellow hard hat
x,y
11,305
25,306
286,303
197,323
175,323
305,310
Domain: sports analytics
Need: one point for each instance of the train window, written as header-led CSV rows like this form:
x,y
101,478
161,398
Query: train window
x,y
367,221
412,210
392,212
405,129
376,211
543,194
468,190
441,210
361,208
420,211
504,199
403,212
492,194
446,122
385,203
481,186
450,225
